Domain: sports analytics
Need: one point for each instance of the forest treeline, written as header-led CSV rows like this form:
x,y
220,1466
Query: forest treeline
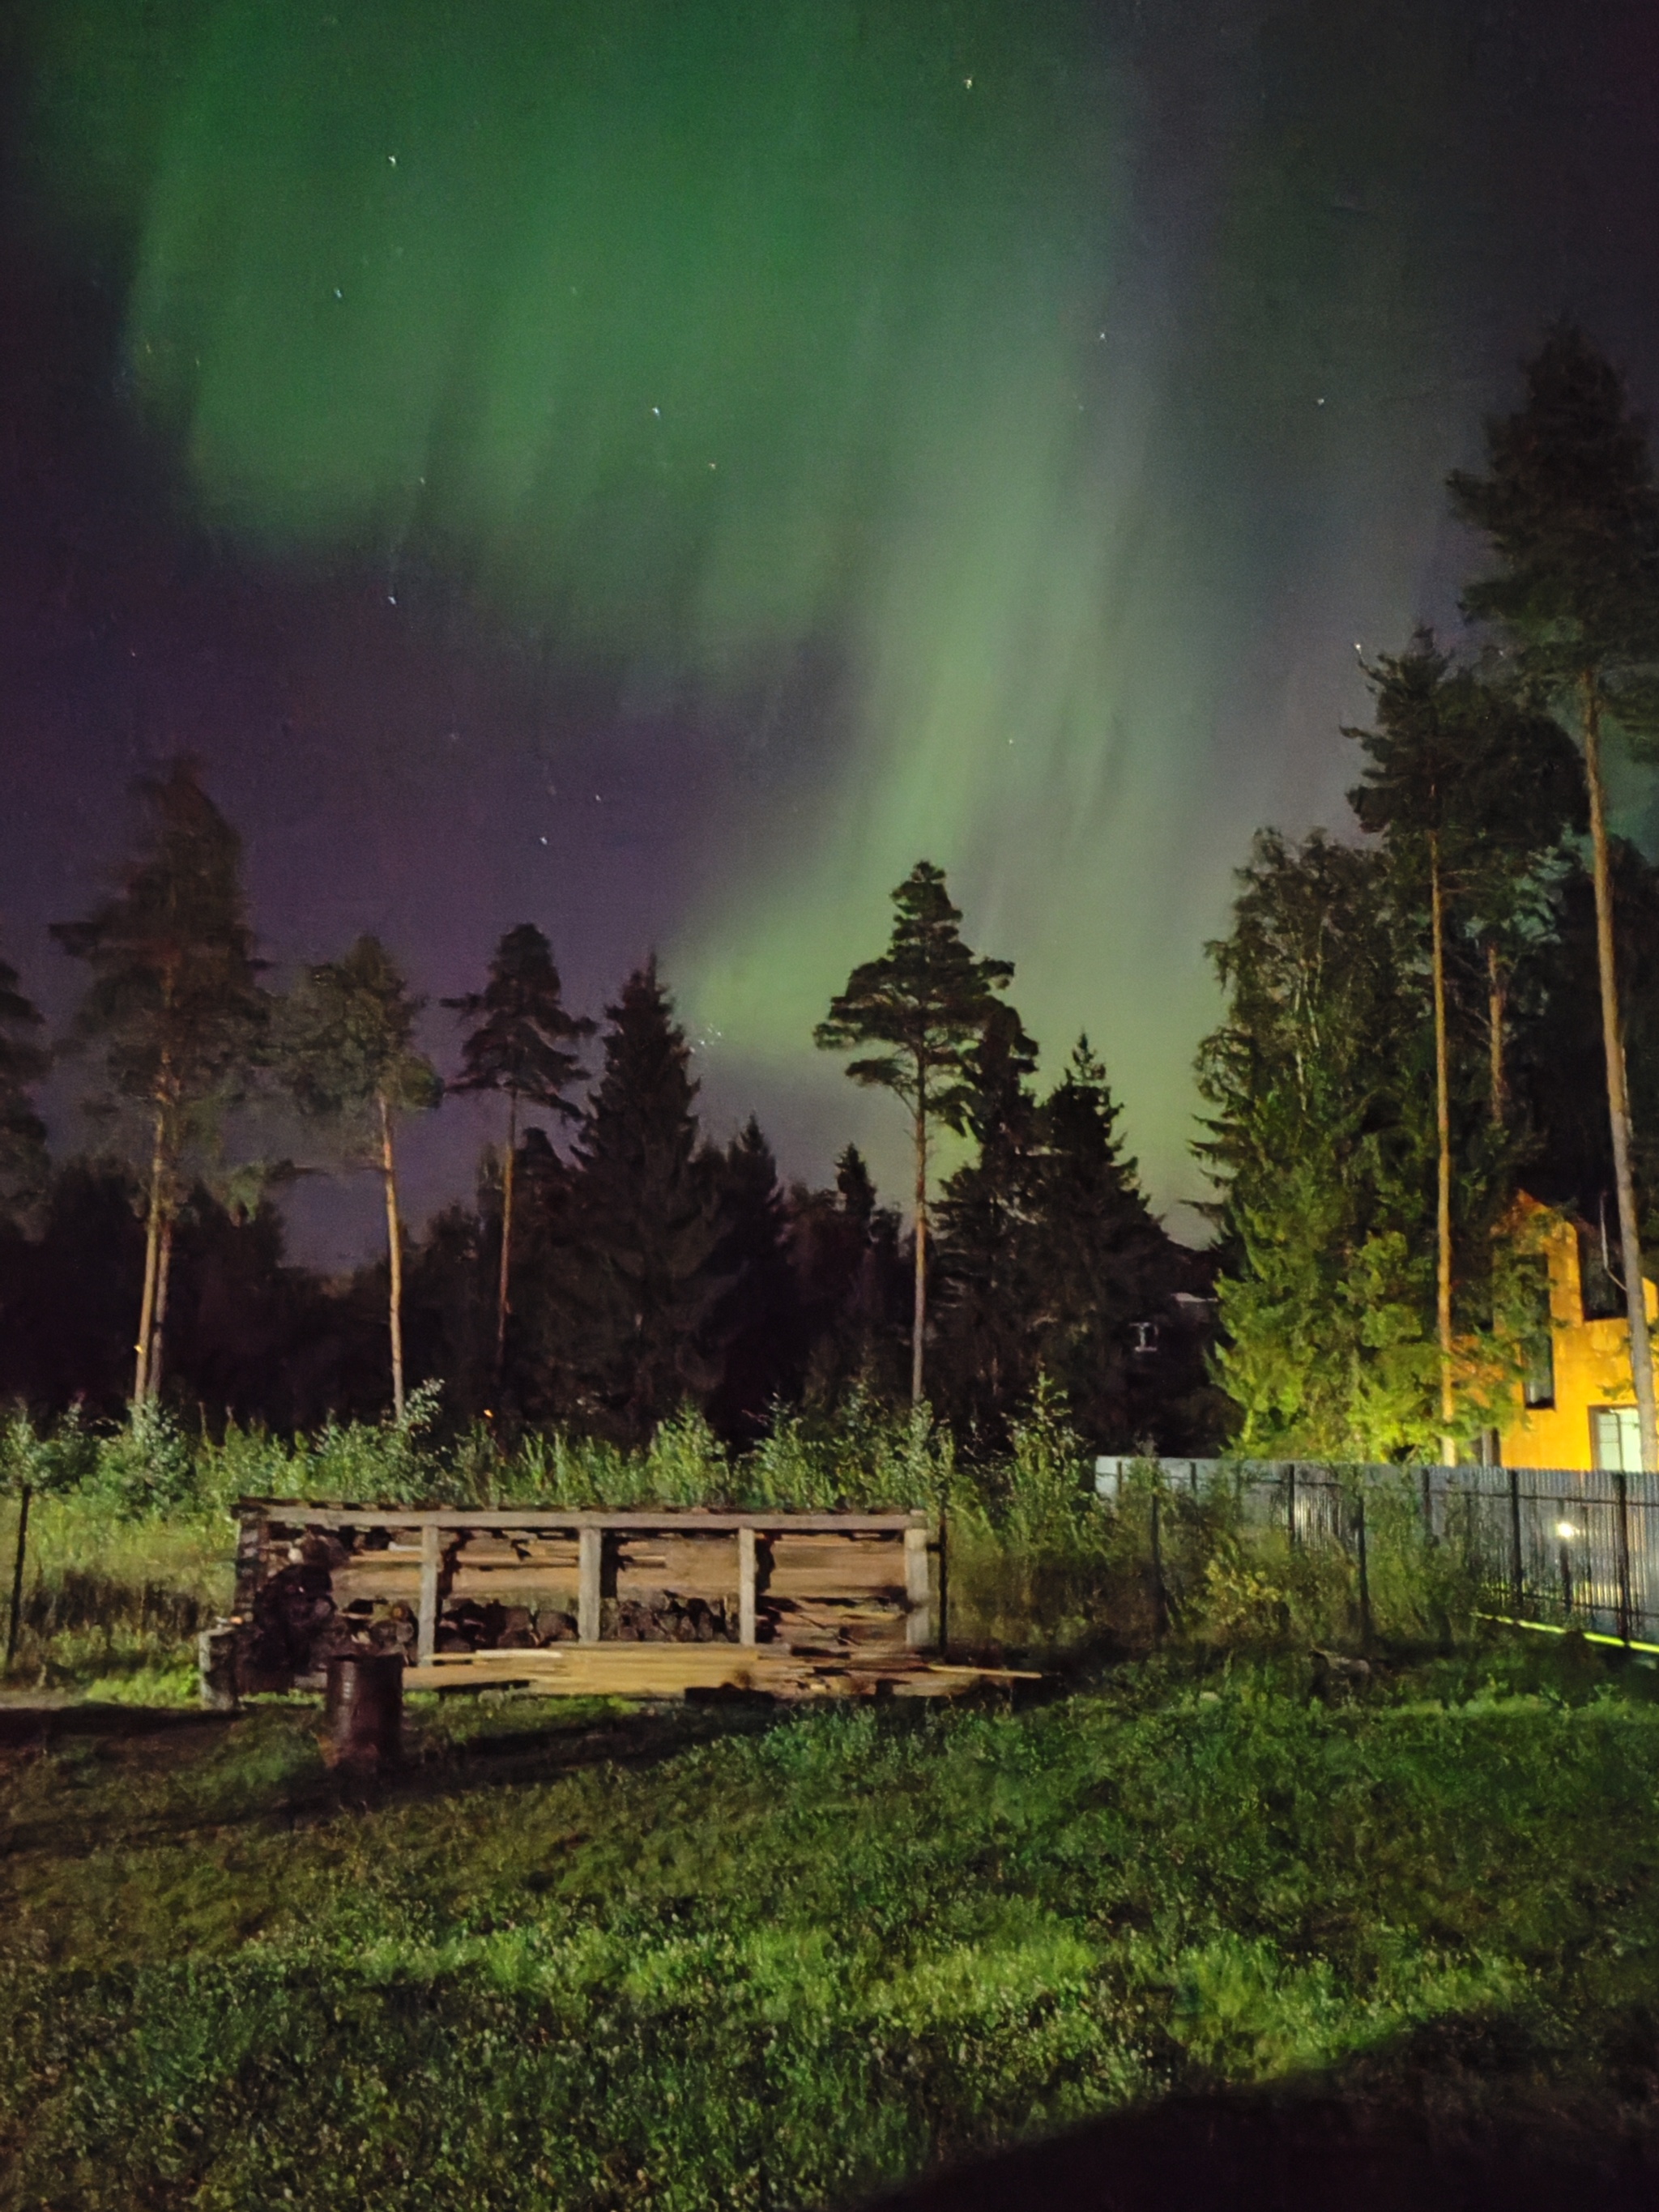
x,y
1430,1023
618,1262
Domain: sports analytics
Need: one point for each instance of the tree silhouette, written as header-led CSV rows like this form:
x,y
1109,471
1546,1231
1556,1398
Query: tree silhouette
x,y
24,1169
351,1061
1570,508
175,1004
927,1000
1467,791
518,1044
646,1226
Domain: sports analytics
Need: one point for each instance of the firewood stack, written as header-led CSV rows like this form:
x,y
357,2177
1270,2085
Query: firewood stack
x,y
792,1604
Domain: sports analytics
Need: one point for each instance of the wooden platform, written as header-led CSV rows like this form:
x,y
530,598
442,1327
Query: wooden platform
x,y
652,1671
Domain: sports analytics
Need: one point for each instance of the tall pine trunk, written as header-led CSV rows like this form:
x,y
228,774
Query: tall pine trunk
x,y
158,1331
919,1316
395,1254
152,1256
1497,1003
1613,1044
1442,1272
502,1307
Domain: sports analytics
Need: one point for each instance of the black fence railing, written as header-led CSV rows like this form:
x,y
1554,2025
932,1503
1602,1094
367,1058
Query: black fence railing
x,y
1557,1545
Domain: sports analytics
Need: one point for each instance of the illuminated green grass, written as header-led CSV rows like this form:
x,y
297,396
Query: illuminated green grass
x,y
579,1958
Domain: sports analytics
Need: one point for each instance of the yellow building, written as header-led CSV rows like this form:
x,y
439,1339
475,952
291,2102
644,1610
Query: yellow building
x,y
1577,1407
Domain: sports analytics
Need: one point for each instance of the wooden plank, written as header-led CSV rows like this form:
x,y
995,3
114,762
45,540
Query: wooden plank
x,y
918,1588
426,1616
660,1671
590,1568
250,1547
288,1514
746,1587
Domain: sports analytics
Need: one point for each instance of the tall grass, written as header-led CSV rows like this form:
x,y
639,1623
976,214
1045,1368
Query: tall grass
x,y
133,1528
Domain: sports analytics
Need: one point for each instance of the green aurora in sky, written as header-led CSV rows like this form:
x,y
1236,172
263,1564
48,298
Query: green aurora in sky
x,y
969,406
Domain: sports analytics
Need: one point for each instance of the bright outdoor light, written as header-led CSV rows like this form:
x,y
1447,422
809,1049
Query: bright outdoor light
x,y
1565,1528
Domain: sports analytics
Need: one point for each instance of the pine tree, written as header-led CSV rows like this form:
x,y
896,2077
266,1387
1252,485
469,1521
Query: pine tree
x,y
926,999
24,1168
1469,794
175,1004
1571,509
352,1062
518,1044
648,1225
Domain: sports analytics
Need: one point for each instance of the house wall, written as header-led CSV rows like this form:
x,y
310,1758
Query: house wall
x,y
1592,1368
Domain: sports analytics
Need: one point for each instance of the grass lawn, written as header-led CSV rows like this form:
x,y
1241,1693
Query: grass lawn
x,y
580,1957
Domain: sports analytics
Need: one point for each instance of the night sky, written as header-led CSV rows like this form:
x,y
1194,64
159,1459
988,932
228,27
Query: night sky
x,y
658,467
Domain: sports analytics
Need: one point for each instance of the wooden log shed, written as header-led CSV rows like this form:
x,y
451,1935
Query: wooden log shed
x,y
646,1603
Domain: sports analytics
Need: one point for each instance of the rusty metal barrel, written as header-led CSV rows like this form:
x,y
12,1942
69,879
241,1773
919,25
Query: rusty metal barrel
x,y
363,1710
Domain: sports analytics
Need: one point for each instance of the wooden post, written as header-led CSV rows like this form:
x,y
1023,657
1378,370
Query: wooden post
x,y
1365,1575
1517,1573
747,1631
944,1587
16,1620
590,1558
1624,1556
250,1563
426,1634
918,1629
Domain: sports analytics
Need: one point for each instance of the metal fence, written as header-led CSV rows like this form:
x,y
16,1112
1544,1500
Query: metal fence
x,y
1557,1545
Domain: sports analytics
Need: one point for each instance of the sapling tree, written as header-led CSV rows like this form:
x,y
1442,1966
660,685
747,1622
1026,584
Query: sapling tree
x,y
1570,508
351,1061
175,1006
518,1043
926,1003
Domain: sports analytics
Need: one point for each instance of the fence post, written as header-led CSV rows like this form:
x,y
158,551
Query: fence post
x,y
1516,1578
1624,1556
12,1626
1289,1500
1364,1577
1428,1505
1160,1609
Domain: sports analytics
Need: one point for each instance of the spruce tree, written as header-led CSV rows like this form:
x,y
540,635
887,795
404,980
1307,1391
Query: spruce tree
x,y
352,1062
852,1286
24,1168
174,1004
518,1043
1571,511
927,1000
1321,1142
756,1324
647,1226
984,1246
1102,1267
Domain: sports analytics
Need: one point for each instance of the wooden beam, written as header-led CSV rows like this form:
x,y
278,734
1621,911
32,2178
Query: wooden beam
x,y
918,1629
293,1513
589,1567
747,1586
426,1632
